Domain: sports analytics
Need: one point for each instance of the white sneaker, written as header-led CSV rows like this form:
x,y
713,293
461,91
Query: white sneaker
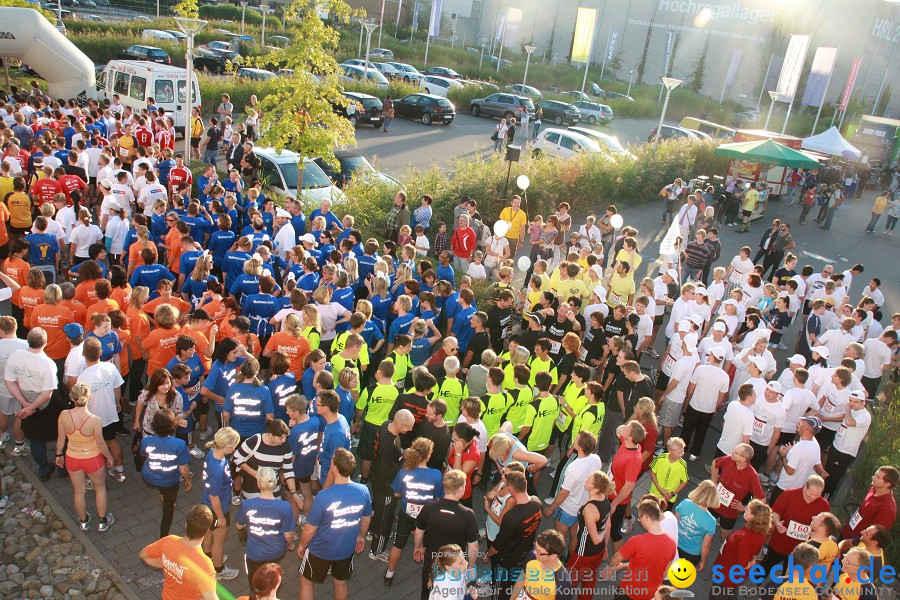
x,y
383,556
236,500
117,475
104,525
627,525
227,574
692,457
204,435
4,440
369,536
21,450
197,452
763,479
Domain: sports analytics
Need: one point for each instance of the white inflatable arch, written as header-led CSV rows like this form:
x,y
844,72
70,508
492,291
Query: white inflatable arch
x,y
25,34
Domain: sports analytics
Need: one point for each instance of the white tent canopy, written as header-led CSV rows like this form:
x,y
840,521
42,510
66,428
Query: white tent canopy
x,y
831,142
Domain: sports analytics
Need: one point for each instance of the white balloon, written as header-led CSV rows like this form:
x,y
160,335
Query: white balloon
x,y
523,182
616,221
500,228
524,263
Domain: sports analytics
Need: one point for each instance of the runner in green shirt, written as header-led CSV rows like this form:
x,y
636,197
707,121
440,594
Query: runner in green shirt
x,y
400,357
372,409
542,414
542,362
451,390
669,471
495,403
522,396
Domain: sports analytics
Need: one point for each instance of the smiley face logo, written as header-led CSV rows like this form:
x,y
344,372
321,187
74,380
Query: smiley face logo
x,y
682,573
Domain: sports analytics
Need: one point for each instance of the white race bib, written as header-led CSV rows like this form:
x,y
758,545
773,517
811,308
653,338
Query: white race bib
x,y
855,519
667,364
798,531
561,419
736,276
759,427
582,354
614,299
413,510
725,495
317,471
496,507
555,347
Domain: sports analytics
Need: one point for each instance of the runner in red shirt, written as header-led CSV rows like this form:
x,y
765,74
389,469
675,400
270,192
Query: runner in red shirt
x,y
879,506
164,137
793,514
648,554
626,468
70,183
743,545
735,479
143,135
179,174
44,189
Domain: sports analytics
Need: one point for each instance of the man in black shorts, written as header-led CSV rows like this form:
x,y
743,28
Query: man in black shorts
x,y
335,530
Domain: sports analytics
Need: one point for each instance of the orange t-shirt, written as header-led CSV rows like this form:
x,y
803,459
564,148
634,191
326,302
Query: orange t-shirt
x,y
189,573
99,307
85,293
161,346
202,345
139,326
4,218
294,348
173,243
78,309
17,270
30,297
125,339
121,295
182,306
252,342
53,318
134,253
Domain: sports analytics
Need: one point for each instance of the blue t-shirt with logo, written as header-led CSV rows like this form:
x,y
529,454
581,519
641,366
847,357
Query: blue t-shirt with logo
x,y
164,456
282,387
267,521
217,481
150,276
109,343
347,407
417,487
694,523
248,405
220,377
196,366
336,435
43,249
462,328
304,440
337,512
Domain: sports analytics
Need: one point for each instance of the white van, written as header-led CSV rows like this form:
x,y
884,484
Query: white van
x,y
135,81
156,35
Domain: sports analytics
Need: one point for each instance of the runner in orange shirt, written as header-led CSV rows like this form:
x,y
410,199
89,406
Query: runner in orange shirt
x,y
121,289
164,288
31,294
289,342
139,326
160,344
201,328
103,305
69,301
17,269
119,321
52,316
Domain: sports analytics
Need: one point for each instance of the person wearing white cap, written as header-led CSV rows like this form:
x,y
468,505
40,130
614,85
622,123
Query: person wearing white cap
x,y
674,351
768,420
680,308
854,428
786,379
700,304
676,390
115,230
285,236
837,340
834,398
716,339
759,350
598,304
800,459
706,394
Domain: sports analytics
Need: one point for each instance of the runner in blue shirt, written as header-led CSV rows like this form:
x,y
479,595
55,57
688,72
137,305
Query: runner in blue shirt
x,y
220,241
282,385
222,373
305,438
335,435
260,308
166,461
269,522
331,220
44,247
150,274
248,403
109,340
216,494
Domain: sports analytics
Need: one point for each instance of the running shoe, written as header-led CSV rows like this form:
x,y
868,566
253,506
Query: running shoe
x,y
382,556
117,475
236,500
653,353
692,457
627,525
388,580
197,452
204,435
4,440
89,484
85,525
764,479
103,525
21,450
227,574
369,536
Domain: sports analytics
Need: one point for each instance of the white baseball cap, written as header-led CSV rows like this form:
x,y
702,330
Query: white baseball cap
x,y
719,326
696,320
600,291
718,352
672,273
690,342
774,386
821,351
308,237
684,325
798,359
282,214
759,361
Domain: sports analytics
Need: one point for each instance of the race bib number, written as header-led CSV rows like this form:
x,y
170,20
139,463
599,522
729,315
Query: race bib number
x,y
725,495
614,299
496,507
523,596
413,510
798,531
759,427
561,419
667,365
840,432
855,519
317,471
737,276
582,354
555,347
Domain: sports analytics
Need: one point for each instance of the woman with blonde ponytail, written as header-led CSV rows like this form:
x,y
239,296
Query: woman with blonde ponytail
x,y
216,495
85,456
290,342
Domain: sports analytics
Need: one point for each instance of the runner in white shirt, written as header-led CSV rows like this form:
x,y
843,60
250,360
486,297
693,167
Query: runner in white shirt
x,y
740,267
737,424
768,420
801,459
877,360
786,379
150,193
676,389
797,401
837,340
853,430
706,394
717,339
833,399
680,308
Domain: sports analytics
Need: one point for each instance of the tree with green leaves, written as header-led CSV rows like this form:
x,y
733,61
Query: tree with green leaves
x,y
699,72
188,9
25,4
299,114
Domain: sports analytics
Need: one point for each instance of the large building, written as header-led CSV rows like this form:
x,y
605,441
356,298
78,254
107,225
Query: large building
x,y
739,40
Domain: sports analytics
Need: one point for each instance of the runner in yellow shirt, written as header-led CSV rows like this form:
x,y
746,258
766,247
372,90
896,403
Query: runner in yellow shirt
x,y
518,223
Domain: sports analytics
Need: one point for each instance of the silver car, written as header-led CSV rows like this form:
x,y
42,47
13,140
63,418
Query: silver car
x,y
501,104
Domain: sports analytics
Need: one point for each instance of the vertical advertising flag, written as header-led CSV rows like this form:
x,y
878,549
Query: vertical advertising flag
x,y
513,20
615,37
584,34
851,81
415,19
819,76
498,30
434,28
736,56
670,43
792,67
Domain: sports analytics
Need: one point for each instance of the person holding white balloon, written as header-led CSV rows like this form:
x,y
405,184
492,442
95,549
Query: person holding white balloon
x,y
516,218
496,248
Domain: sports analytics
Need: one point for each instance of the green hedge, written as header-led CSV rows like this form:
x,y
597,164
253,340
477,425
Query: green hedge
x,y
212,88
230,12
586,182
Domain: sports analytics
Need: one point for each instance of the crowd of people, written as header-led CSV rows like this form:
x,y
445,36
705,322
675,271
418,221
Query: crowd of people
x,y
336,391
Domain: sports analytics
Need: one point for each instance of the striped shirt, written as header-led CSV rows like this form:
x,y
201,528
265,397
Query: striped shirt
x,y
256,453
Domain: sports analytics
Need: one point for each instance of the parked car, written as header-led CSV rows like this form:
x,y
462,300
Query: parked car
x,y
749,115
355,166
364,110
617,96
576,95
88,4
382,53
150,53
442,72
280,173
700,134
439,86
501,104
428,108
408,72
353,73
525,90
223,49
356,62
156,35
279,41
484,85
562,143
493,60
178,35
608,143
594,112
669,132
234,36
94,18
559,112
209,61
596,90
255,74
386,69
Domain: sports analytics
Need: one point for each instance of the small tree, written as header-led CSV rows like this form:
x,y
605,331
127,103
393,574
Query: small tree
x,y
699,72
187,9
25,4
615,64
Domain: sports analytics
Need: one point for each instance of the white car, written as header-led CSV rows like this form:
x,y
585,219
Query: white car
x,y
382,53
354,73
439,86
608,143
563,143
280,173
407,72
387,70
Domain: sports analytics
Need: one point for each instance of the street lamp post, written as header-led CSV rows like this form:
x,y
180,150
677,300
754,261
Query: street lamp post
x,y
671,83
774,96
190,28
630,81
361,29
370,27
482,44
243,12
529,50
264,8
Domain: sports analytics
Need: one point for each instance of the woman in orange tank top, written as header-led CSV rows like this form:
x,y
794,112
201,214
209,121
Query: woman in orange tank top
x,y
85,456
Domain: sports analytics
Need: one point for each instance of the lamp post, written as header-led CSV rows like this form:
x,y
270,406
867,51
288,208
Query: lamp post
x,y
630,81
671,83
370,27
243,12
529,50
190,28
483,43
264,8
361,29
774,96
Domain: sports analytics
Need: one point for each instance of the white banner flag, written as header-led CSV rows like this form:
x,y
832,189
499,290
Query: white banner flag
x,y
736,56
819,75
434,28
792,67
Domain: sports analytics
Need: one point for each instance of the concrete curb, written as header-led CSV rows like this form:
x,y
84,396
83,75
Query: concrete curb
x,y
73,527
